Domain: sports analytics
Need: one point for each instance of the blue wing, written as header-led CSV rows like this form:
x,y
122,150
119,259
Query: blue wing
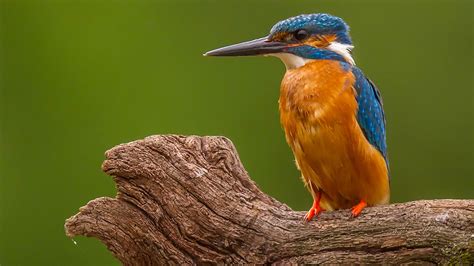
x,y
370,114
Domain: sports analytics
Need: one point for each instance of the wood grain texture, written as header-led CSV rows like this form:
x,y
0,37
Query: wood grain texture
x,y
188,200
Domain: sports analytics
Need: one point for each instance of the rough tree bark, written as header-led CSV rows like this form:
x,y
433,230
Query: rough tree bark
x,y
188,200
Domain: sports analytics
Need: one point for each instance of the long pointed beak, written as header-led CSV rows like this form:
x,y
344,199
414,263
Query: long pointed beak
x,y
259,46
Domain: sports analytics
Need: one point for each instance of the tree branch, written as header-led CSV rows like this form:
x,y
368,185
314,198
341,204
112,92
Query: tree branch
x,y
188,200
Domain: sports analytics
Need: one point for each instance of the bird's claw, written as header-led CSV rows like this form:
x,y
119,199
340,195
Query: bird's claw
x,y
314,211
357,209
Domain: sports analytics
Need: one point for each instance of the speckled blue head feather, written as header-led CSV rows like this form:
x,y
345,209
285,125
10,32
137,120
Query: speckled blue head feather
x,y
315,24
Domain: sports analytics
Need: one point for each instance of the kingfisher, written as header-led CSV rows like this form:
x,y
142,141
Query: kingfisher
x,y
331,113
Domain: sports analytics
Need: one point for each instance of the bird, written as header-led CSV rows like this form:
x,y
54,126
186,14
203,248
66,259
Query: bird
x,y
332,114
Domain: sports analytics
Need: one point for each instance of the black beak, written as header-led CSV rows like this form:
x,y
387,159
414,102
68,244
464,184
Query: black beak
x,y
259,46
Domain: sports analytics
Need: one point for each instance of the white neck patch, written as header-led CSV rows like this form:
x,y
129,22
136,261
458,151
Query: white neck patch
x,y
342,49
292,61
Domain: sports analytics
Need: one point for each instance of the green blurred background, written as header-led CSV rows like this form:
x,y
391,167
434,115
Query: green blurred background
x,y
78,77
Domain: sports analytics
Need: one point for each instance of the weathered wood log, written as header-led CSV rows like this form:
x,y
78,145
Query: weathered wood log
x,y
188,200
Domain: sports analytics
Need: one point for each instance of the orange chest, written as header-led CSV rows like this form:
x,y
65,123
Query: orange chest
x,y
317,94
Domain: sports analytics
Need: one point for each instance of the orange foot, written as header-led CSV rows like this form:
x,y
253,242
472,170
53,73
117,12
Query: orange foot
x,y
356,210
315,209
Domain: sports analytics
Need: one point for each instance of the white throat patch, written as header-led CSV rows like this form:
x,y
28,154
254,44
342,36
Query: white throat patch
x,y
292,61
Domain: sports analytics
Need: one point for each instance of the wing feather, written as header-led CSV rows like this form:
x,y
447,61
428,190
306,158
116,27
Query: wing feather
x,y
370,113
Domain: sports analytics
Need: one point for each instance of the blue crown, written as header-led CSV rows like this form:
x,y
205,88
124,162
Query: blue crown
x,y
315,24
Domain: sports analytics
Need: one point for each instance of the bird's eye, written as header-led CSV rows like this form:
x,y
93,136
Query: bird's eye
x,y
301,35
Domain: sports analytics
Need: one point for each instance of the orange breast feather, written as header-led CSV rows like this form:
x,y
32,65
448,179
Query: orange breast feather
x,y
318,113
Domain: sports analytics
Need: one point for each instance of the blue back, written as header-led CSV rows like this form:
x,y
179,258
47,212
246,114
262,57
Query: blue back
x,y
370,114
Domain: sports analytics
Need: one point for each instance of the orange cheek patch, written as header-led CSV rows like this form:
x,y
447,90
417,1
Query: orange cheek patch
x,y
280,36
320,41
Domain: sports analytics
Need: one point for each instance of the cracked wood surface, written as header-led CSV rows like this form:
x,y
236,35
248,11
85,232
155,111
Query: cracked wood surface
x,y
189,200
